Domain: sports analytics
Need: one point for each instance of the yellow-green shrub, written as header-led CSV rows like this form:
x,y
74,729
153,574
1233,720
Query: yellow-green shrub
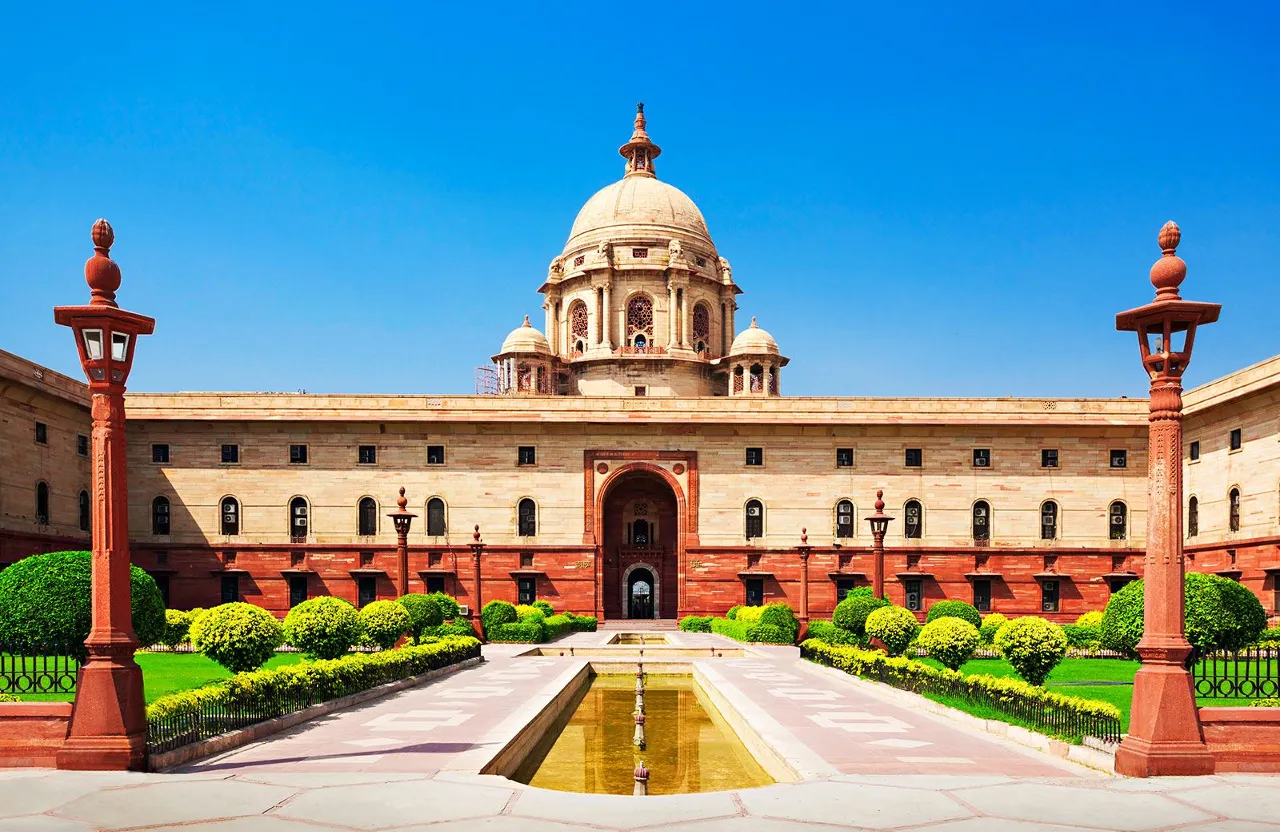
x,y
238,636
896,628
324,628
950,640
1033,646
385,623
1093,618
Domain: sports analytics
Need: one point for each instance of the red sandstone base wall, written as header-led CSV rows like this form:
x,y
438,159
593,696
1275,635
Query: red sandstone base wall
x,y
32,732
1243,739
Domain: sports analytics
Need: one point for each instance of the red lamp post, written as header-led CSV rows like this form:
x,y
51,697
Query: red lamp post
x,y
804,549
477,549
108,720
1164,736
402,519
879,525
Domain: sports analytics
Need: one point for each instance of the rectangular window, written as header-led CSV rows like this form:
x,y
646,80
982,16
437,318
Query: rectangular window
x,y
297,454
844,457
981,457
42,433
1049,458
526,590
641,391
1049,596
162,583
435,583
368,455
526,560
82,444
914,595
366,590
982,595
230,454
1237,439
844,586
755,456
755,592
526,455
230,589
915,457
1195,451
297,590
435,454
1120,459
160,453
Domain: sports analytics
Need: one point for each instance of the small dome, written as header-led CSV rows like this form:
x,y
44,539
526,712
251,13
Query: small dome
x,y
754,341
638,205
525,338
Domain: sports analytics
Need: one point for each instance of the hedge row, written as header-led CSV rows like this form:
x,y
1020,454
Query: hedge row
x,y
770,624
530,624
1066,716
270,693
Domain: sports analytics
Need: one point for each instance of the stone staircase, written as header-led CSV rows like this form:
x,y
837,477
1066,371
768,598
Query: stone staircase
x,y
639,625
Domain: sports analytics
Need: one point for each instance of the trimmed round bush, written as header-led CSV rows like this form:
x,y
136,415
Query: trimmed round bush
x,y
1033,646
448,605
238,636
1220,615
955,609
950,640
781,615
1082,636
545,606
896,628
1093,618
851,613
323,628
831,634
385,622
45,602
732,614
497,613
424,613
769,634
990,625
176,625
696,624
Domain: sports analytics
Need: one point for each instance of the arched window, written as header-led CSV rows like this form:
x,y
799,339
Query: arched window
x,y
914,523
981,520
42,503
641,343
579,327
640,533
86,523
160,515
757,378
527,518
737,379
844,519
298,516
1119,514
639,320
368,517
1049,521
701,327
435,517
754,519
1193,517
1233,509
230,521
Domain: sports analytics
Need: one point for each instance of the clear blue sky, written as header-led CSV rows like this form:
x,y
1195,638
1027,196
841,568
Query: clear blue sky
x,y
922,200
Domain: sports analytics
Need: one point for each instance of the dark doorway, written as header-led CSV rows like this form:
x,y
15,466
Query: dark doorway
x,y
982,595
755,592
640,591
435,583
526,590
297,590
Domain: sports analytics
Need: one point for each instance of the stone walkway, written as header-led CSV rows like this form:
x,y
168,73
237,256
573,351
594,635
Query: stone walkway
x,y
409,761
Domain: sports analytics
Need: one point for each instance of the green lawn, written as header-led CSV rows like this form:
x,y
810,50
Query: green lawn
x,y
164,673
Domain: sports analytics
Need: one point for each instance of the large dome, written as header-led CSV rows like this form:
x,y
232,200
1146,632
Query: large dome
x,y
648,205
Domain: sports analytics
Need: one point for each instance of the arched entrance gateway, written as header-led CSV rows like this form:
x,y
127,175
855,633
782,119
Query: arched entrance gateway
x,y
640,546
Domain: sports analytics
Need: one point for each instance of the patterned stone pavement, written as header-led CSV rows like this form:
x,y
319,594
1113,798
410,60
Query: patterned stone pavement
x,y
409,761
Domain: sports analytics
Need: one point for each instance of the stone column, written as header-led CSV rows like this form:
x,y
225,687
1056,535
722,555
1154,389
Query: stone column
x,y
671,315
607,337
686,316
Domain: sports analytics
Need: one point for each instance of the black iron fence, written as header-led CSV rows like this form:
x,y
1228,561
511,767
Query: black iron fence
x,y
1252,673
1038,709
37,668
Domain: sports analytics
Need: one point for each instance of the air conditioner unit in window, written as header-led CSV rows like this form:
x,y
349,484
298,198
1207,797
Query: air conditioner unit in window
x,y
1048,607
464,610
299,521
300,510
229,518
981,462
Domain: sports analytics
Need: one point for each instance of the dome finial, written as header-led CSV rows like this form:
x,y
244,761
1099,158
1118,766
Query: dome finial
x,y
639,152
526,321
754,325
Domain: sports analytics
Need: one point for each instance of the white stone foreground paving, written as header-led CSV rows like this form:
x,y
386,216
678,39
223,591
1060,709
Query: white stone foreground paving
x,y
53,801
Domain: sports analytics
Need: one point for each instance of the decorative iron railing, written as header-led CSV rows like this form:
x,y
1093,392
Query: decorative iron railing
x,y
27,668
1252,673
1042,714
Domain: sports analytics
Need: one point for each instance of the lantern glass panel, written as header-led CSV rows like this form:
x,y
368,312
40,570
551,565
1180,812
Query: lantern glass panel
x,y
93,344
119,346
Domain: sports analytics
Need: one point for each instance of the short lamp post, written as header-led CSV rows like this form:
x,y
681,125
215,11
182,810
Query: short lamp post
x,y
108,720
402,519
1164,736
804,549
879,525
477,549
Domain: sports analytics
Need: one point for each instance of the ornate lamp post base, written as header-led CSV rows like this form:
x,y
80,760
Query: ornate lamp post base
x,y
1164,738
108,720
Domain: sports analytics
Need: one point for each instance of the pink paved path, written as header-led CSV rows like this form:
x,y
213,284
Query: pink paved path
x,y
458,723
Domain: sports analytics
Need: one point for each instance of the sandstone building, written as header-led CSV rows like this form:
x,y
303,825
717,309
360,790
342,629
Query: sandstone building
x,y
639,460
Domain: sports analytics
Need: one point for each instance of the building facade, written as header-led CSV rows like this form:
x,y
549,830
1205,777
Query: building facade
x,y
639,460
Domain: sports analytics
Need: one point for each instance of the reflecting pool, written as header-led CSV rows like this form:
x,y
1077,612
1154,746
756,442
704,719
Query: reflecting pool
x,y
690,748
